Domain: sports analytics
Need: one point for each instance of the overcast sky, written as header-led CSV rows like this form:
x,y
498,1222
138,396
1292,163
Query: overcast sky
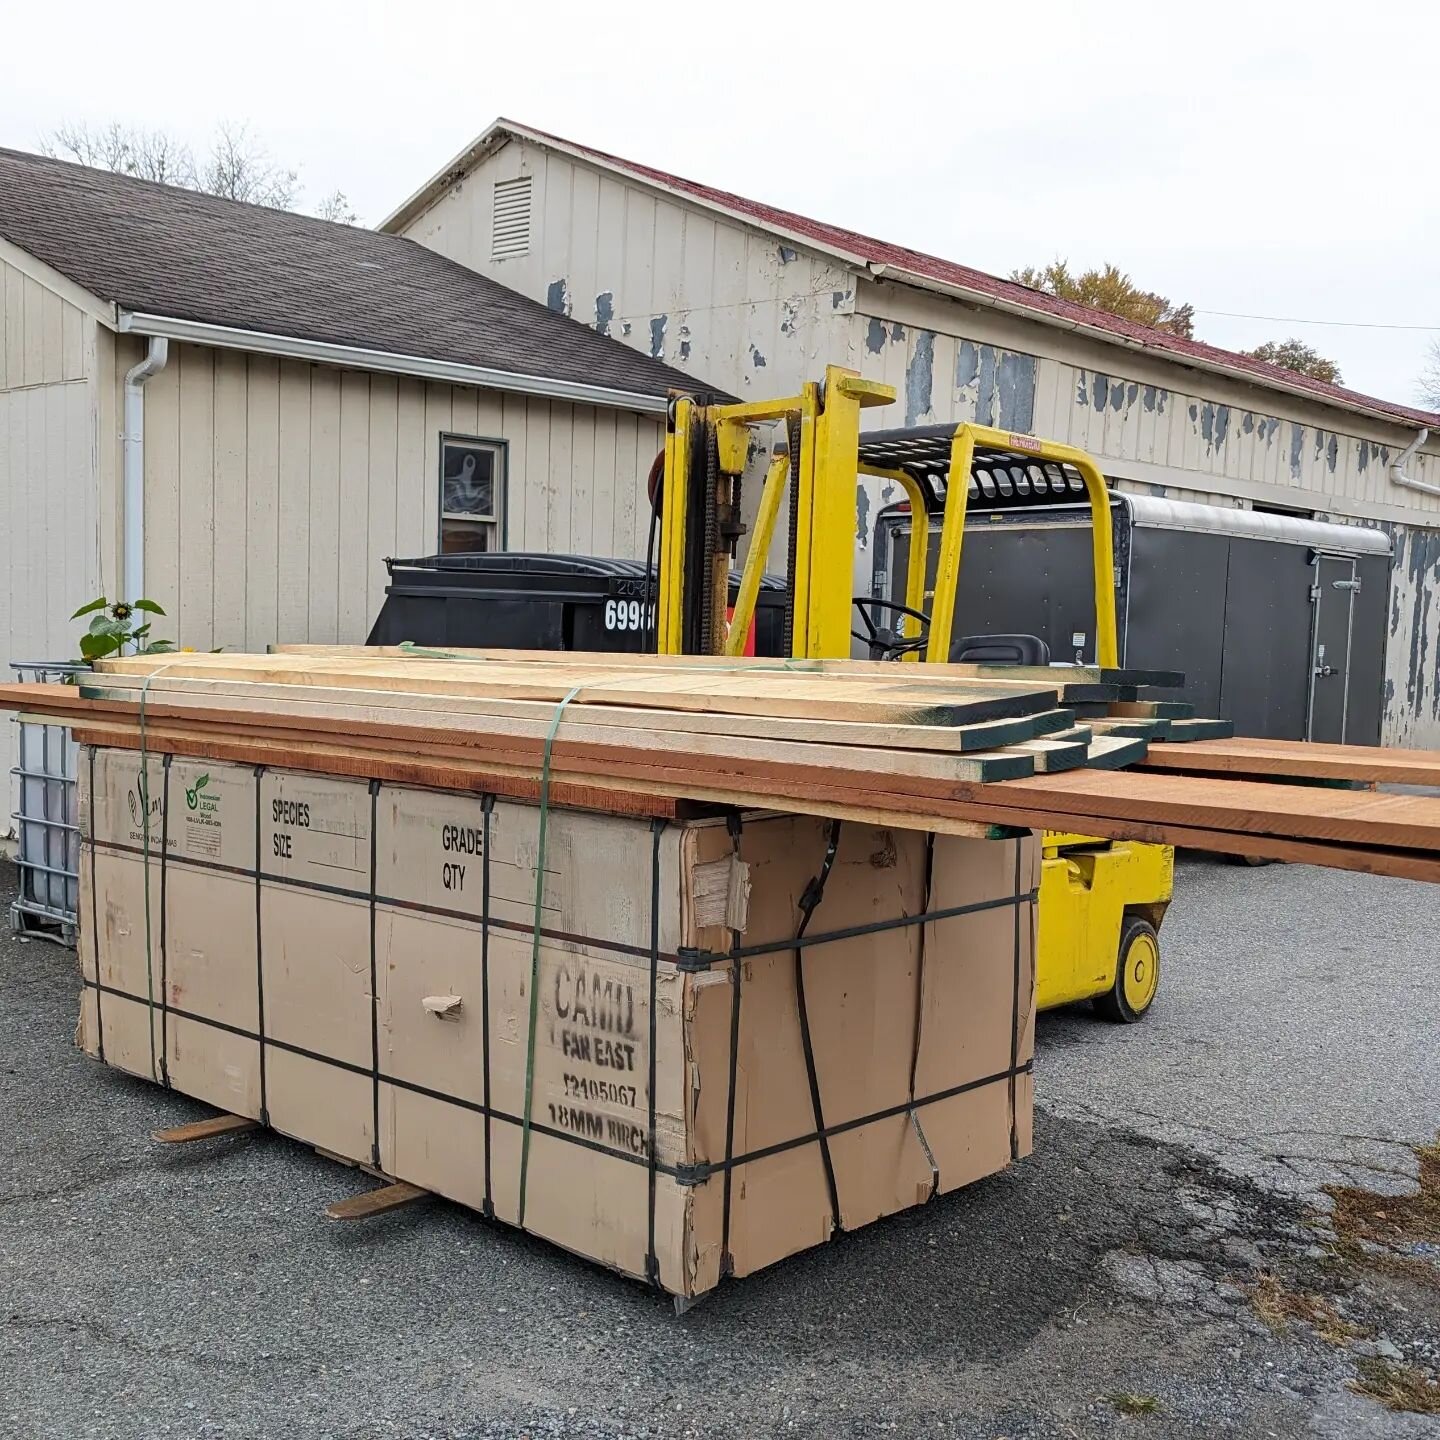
x,y
1267,158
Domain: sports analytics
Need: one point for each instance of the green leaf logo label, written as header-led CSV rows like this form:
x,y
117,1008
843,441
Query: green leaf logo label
x,y
192,796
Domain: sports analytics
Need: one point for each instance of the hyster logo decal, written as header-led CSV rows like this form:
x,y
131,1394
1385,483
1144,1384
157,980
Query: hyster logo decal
x,y
192,796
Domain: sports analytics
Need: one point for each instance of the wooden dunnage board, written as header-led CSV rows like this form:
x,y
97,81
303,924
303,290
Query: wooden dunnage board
x,y
803,695
1045,674
1300,759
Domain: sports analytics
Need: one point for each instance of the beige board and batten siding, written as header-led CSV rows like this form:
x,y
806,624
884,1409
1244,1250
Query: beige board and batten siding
x,y
714,297
275,488
49,519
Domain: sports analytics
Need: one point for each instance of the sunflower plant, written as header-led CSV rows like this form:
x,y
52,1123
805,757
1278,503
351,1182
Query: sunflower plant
x,y
119,628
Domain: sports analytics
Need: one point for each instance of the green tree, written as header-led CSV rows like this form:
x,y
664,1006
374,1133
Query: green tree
x,y
1108,288
1297,356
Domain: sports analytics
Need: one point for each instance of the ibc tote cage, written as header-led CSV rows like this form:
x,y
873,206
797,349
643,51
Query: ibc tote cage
x,y
47,818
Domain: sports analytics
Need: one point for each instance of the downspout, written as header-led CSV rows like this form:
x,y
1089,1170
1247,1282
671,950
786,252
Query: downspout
x,y
133,467
1397,468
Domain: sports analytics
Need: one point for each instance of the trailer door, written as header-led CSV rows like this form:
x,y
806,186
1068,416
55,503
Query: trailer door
x,y
1332,603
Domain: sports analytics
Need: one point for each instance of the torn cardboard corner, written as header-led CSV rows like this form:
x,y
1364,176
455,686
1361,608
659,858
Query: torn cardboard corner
x,y
390,931
722,893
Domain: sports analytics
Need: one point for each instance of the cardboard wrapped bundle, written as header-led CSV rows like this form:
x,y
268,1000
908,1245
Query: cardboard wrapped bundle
x,y
658,1076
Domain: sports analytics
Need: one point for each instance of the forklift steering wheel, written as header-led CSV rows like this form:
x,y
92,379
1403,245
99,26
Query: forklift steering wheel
x,y
888,644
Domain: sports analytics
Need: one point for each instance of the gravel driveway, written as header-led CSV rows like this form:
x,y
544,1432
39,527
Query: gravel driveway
x,y
1161,1266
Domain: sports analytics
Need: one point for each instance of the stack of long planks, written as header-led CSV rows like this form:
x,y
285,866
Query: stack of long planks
x,y
955,749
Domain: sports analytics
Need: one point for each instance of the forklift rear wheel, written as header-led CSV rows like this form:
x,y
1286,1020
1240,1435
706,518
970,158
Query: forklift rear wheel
x,y
1137,973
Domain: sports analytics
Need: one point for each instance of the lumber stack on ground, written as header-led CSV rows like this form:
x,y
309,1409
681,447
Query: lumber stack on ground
x,y
965,750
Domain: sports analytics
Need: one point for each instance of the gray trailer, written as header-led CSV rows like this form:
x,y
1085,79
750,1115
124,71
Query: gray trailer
x,y
1277,621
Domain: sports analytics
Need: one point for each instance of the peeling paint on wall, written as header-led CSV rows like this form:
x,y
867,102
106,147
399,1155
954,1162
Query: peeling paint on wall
x,y
789,313
1297,449
1117,394
1247,425
875,336
920,378
557,297
862,515
787,255
837,299
897,333
1000,381
1222,424
1081,397
1100,390
967,364
1150,397
757,360
1332,453
1207,422
604,311
1016,376
1413,656
657,336
985,387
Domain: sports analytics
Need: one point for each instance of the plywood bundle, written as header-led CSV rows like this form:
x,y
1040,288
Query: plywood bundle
x,y
645,1063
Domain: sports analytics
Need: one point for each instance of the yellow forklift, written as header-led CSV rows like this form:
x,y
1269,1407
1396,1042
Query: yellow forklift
x,y
1101,901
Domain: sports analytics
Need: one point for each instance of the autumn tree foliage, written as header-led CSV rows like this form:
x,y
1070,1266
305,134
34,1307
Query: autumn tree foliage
x,y
1109,288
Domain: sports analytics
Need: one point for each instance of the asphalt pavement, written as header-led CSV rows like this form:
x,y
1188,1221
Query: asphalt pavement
x,y
1113,1284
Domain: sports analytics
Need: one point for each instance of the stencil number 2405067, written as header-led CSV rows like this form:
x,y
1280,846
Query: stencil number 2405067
x,y
627,614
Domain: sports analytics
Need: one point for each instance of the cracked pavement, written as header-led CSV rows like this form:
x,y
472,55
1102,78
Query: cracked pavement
x,y
147,1292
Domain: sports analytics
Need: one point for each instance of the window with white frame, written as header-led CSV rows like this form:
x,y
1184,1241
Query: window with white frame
x,y
472,495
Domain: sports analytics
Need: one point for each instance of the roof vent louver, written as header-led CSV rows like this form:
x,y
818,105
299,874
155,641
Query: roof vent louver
x,y
510,218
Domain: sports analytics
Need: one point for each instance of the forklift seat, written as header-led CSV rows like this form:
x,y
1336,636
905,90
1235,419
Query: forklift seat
x,y
1000,650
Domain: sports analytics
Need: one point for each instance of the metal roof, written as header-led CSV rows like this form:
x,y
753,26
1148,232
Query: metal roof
x,y
1154,512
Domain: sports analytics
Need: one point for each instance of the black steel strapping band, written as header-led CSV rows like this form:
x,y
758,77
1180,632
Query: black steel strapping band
x,y
694,1174
920,959
1015,1014
814,894
683,1174
652,1263
416,907
374,984
689,958
95,917
164,929
260,960
487,806
734,823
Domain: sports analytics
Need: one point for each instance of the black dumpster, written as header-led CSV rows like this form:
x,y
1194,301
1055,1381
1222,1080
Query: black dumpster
x,y
501,600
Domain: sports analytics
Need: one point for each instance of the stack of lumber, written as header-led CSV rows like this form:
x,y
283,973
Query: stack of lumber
x,y
965,750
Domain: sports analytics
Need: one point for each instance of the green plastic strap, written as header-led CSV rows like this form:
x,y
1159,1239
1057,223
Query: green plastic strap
x,y
145,856
535,947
